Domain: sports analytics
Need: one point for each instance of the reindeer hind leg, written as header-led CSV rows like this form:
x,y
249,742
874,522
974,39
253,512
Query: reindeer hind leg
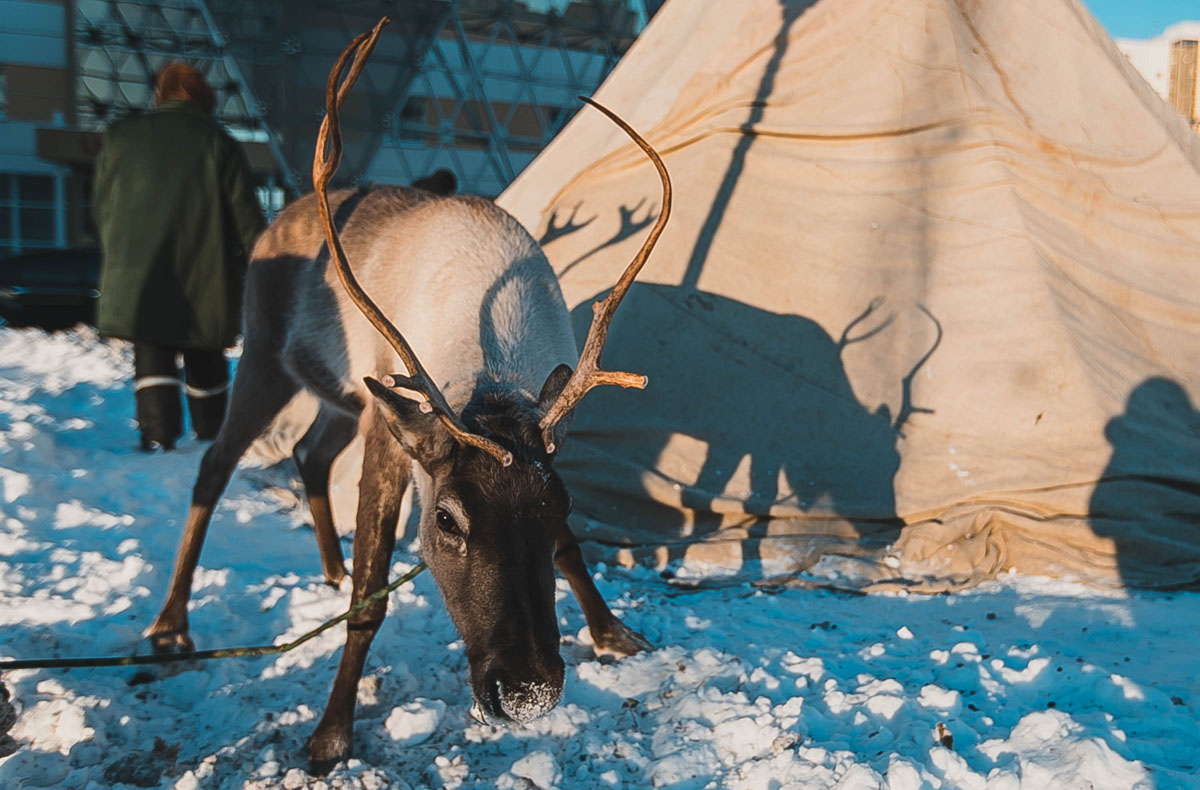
x,y
260,390
315,453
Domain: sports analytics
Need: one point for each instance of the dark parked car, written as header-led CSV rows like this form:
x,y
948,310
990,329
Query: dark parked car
x,y
53,289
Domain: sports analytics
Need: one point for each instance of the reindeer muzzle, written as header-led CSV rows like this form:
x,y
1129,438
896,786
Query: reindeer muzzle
x,y
499,698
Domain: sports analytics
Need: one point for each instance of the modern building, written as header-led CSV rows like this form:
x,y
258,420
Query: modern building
x,y
473,86
1169,64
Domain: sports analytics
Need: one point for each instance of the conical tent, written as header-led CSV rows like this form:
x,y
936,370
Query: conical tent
x,y
928,296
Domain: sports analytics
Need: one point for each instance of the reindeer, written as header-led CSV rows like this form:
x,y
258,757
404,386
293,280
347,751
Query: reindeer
x,y
473,293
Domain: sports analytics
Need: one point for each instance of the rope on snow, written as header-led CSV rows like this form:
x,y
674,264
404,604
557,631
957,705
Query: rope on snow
x,y
202,655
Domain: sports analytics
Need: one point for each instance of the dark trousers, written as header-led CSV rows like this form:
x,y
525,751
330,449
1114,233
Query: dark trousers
x,y
156,388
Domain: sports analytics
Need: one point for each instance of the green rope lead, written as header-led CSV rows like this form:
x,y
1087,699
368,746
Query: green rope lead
x,y
202,655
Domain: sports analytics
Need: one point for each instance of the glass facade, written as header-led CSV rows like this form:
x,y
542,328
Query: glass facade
x,y
29,213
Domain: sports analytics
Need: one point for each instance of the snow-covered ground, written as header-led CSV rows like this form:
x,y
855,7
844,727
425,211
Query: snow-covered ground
x,y
1027,683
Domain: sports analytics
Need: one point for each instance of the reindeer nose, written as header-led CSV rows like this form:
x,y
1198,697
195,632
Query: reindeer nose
x,y
521,700
525,702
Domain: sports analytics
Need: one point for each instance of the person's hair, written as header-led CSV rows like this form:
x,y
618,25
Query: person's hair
x,y
182,81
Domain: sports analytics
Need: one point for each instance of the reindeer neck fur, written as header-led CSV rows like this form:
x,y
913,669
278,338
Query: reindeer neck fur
x,y
466,285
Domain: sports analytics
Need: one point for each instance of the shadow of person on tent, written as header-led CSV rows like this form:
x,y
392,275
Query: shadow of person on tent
x,y
1148,499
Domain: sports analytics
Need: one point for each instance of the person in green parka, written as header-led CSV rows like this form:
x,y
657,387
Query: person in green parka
x,y
177,217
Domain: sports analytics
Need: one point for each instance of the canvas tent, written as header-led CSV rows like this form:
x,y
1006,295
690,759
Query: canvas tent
x,y
928,297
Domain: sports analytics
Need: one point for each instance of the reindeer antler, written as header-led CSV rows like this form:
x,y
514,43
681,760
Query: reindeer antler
x,y
325,163
587,373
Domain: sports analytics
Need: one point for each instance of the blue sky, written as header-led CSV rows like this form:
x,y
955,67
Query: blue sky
x,y
1141,18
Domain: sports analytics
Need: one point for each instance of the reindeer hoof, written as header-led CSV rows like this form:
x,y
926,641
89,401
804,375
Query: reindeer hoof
x,y
619,641
322,767
171,642
335,576
325,752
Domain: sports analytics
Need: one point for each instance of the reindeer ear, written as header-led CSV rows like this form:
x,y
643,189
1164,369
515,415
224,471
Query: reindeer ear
x,y
420,433
553,386
550,391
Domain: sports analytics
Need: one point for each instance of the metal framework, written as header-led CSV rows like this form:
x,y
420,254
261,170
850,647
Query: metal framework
x,y
498,82
120,46
473,86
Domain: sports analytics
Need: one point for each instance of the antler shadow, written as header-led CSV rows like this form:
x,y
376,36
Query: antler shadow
x,y
907,409
628,227
556,231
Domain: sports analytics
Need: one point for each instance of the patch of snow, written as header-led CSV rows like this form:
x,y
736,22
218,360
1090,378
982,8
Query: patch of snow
x,y
414,722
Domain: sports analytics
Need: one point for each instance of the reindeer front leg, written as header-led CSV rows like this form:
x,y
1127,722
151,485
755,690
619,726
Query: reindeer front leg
x,y
385,475
609,635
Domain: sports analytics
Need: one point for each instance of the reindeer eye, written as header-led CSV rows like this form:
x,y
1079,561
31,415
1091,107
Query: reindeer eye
x,y
446,522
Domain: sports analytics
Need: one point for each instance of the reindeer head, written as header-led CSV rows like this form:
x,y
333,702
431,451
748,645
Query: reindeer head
x,y
493,508
488,534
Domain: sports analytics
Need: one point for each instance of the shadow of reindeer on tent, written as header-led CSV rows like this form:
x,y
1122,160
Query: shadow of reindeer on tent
x,y
750,426
787,454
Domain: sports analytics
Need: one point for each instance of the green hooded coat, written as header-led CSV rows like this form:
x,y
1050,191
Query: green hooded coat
x,y
177,217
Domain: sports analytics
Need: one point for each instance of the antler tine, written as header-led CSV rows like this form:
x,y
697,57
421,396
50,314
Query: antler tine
x,y
845,340
325,161
907,409
587,373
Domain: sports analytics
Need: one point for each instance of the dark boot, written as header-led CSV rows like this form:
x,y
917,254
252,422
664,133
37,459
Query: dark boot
x,y
207,374
156,391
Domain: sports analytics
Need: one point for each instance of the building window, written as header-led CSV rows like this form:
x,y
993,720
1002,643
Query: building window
x,y
1182,86
28,213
